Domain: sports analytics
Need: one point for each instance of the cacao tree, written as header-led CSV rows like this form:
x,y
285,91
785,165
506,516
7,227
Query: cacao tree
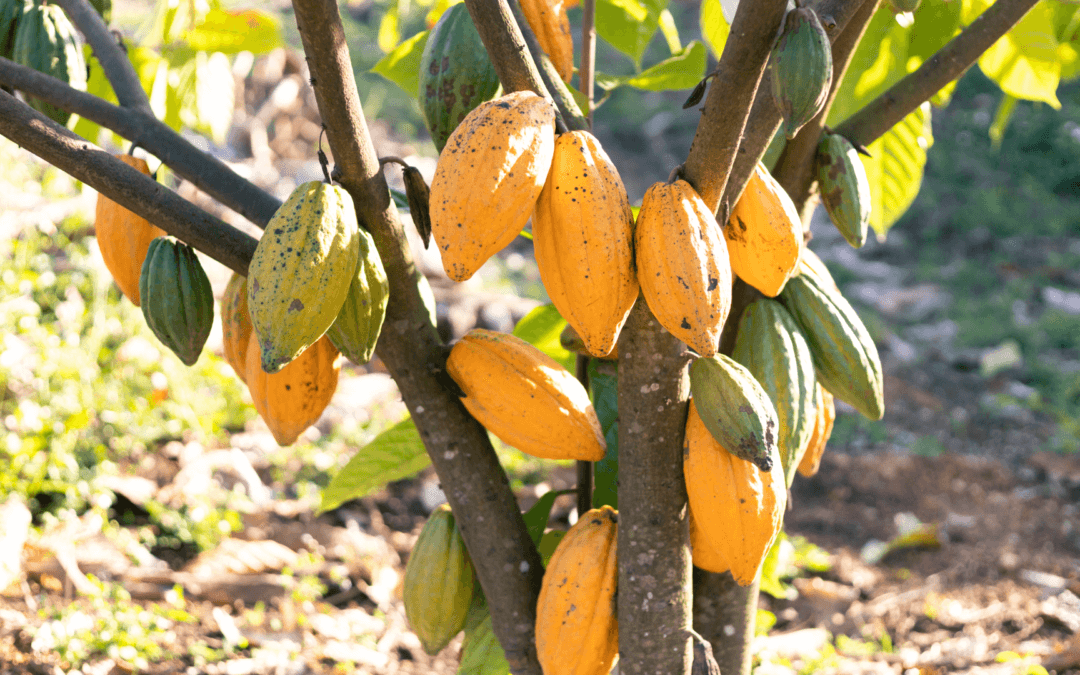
x,y
714,291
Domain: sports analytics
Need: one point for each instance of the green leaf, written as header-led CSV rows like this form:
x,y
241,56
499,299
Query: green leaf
x,y
714,27
390,29
895,168
878,62
680,71
541,328
396,453
604,386
481,653
1025,62
401,200
232,32
536,518
629,25
1001,120
402,66
548,543
772,571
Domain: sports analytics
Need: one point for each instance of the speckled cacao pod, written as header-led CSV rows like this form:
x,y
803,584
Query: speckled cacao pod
x,y
439,581
845,189
583,237
801,68
764,234
551,25
301,272
177,301
356,329
456,74
577,627
46,41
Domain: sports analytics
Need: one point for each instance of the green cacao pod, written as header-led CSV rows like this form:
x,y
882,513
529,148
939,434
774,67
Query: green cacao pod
x,y
845,189
45,40
357,327
301,272
177,300
456,74
773,349
10,11
439,581
801,67
735,409
846,359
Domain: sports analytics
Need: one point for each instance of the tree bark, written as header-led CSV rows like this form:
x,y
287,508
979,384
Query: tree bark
x,y
724,615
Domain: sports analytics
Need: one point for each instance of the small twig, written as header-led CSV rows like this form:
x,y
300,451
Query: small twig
x,y
587,72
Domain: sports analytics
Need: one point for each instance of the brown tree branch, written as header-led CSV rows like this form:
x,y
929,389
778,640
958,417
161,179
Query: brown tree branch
x,y
765,117
207,173
795,168
654,554
949,63
115,63
507,563
124,184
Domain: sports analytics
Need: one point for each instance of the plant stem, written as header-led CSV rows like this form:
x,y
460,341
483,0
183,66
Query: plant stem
x,y
587,72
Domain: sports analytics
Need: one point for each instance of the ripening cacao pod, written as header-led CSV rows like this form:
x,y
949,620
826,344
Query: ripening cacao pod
x,y
551,26
764,234
236,324
773,349
10,11
488,179
846,359
301,271
823,425
46,41
739,508
844,187
293,398
683,266
577,628
704,555
801,68
735,408
525,397
456,74
583,238
439,581
572,342
177,301
356,329
124,237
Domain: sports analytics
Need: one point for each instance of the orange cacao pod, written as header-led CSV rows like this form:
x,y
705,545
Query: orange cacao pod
x,y
704,555
293,398
124,237
583,237
823,425
236,324
764,234
551,25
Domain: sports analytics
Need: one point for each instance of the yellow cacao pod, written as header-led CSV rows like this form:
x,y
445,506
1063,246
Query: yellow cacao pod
x,y
764,234
740,508
823,426
525,397
300,274
488,178
583,237
577,628
683,265
293,398
704,555
124,237
551,25
236,324
572,342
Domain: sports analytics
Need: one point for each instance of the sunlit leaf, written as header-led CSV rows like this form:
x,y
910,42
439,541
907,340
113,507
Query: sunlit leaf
x,y
390,29
231,32
541,328
214,85
680,71
1025,62
895,168
396,453
402,65
714,27
670,31
629,25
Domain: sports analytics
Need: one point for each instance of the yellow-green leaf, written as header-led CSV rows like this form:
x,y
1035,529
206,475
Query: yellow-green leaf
x,y
895,168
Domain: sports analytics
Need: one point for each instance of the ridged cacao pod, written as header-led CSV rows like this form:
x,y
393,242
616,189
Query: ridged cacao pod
x,y
551,25
577,627
439,581
301,272
356,329
704,555
739,508
10,11
802,69
683,266
583,237
572,342
177,301
810,263
124,237
823,426
764,234
845,189
456,74
525,397
488,179
46,41
846,359
735,408
236,326
293,398
773,349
